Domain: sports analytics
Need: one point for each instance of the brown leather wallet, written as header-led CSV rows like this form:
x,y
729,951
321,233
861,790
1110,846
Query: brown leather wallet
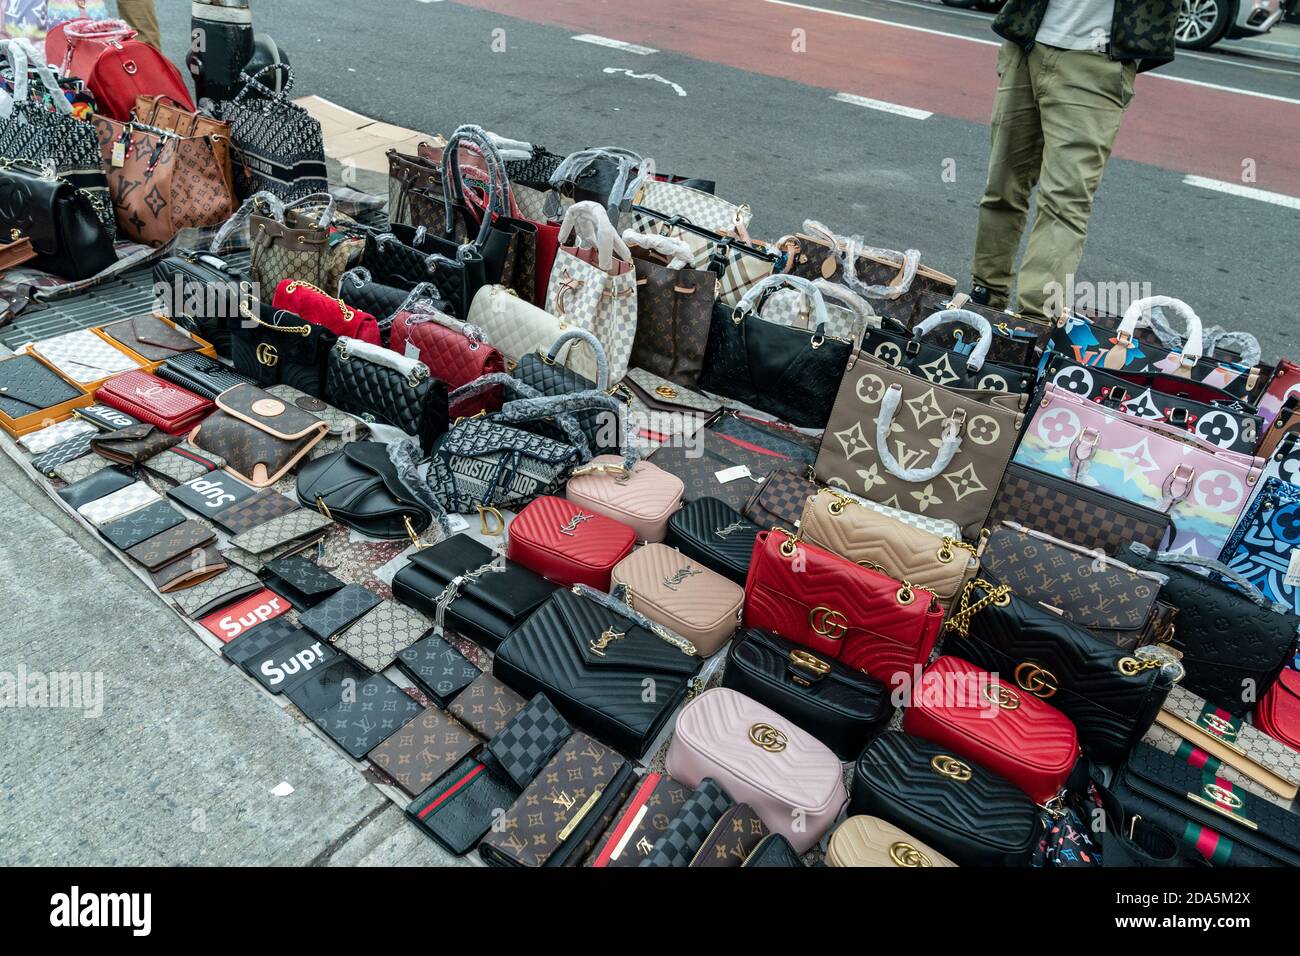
x,y
187,537
189,569
150,337
133,444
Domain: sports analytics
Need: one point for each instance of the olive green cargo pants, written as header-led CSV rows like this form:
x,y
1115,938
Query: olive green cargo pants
x,y
143,17
1054,122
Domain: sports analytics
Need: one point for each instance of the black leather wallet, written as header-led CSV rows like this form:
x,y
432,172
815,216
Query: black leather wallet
x,y
258,640
99,485
138,526
437,668
773,850
325,687
364,719
484,610
521,750
302,582
285,662
337,611
459,809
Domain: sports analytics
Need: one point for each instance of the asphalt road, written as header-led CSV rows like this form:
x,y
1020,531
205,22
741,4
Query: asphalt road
x,y
759,117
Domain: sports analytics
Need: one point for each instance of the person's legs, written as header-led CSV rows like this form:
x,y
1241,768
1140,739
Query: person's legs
x,y
1081,99
141,16
1014,160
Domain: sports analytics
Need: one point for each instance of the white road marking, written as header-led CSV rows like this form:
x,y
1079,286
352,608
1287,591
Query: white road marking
x,y
647,76
1245,192
958,36
881,105
615,44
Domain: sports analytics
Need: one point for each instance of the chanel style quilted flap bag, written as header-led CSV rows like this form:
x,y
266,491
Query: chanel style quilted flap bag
x,y
840,706
900,440
685,597
871,841
717,536
261,438
843,526
1111,695
454,352
542,372
1117,603
643,497
1234,640
592,659
381,386
979,717
793,782
964,811
837,609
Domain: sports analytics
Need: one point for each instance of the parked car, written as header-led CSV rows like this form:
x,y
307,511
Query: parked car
x,y
1203,23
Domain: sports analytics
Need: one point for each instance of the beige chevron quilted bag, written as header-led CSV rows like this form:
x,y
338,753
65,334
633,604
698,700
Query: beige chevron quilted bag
x,y
682,595
838,523
871,841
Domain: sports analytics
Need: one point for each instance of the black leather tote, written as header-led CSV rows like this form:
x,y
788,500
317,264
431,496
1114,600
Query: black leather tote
x,y
66,233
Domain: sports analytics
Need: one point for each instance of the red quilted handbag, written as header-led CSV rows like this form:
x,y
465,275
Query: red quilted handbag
x,y
1278,712
989,722
839,609
453,356
320,308
115,66
151,399
567,544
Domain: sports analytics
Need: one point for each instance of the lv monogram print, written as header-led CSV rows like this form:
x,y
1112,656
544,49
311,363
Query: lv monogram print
x,y
486,705
423,750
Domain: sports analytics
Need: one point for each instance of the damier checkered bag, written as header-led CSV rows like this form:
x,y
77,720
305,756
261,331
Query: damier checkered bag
x,y
525,745
691,827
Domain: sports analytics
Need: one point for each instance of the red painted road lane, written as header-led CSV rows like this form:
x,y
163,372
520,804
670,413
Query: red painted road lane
x,y
1176,126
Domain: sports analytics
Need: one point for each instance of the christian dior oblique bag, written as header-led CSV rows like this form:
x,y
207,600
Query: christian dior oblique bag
x,y
899,440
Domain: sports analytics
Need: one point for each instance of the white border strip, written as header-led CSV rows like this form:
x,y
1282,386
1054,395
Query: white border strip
x,y
1245,192
615,44
883,106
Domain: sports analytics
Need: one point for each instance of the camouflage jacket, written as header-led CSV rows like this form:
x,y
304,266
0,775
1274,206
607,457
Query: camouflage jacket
x,y
1142,30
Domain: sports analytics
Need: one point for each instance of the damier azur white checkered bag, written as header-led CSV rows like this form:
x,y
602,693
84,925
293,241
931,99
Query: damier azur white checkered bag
x,y
593,287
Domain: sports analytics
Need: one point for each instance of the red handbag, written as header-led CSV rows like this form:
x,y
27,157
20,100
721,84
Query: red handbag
x,y
994,724
153,400
1284,383
849,613
566,544
115,66
1278,711
321,308
452,354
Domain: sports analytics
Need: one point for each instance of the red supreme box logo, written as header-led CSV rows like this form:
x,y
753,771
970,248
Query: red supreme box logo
x,y
256,609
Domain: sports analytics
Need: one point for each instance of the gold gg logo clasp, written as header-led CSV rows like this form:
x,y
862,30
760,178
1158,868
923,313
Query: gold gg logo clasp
x,y
768,737
828,622
1004,697
1039,681
950,767
904,854
267,355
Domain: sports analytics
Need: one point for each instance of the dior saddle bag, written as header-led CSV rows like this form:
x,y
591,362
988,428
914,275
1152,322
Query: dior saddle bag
x,y
1117,603
568,544
758,757
843,526
1233,639
1111,695
837,609
968,813
359,487
381,386
842,707
592,660
261,438
643,497
719,537
871,841
483,596
896,346
1224,823
978,717
682,595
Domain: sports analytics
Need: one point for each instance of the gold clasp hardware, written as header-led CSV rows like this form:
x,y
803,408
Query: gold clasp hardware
x,y
1131,666
904,854
789,545
950,767
410,532
768,738
666,391
1004,697
809,662
606,638
485,512
1036,679
836,507
323,508
1224,802
828,623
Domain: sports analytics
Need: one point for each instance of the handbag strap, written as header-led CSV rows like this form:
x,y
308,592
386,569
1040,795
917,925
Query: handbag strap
x,y
264,203
780,280
25,57
620,602
588,223
975,361
499,198
254,81
1173,559
672,248
626,183
1142,312
602,361
948,448
848,249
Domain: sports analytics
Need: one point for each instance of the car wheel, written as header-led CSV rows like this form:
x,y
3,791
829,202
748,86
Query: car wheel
x,y
1202,23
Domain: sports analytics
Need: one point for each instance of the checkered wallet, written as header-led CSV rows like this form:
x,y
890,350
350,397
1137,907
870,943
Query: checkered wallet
x,y
41,441
522,749
690,827
383,632
779,501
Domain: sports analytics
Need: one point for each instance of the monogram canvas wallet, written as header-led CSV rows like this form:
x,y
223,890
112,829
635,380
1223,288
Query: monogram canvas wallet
x,y
437,668
486,706
129,530
374,712
644,817
381,634
303,582
423,750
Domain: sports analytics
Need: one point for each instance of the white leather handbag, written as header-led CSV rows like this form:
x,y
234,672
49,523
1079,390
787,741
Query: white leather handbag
x,y
515,327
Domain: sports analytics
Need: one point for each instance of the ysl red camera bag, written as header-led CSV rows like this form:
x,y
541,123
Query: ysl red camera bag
x,y
568,544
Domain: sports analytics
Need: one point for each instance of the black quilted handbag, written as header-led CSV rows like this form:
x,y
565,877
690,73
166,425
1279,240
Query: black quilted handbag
x,y
278,347
405,256
962,810
710,531
1227,824
592,661
792,373
545,374
1234,640
359,289
1111,695
381,386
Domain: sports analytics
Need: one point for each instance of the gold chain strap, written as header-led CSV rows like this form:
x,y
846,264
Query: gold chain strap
x,y
303,330
946,549
960,620
345,310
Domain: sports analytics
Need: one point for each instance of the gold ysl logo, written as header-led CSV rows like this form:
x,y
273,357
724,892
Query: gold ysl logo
x,y
1037,680
767,737
827,622
267,355
608,637
729,530
950,767
904,854
562,800
572,527
671,582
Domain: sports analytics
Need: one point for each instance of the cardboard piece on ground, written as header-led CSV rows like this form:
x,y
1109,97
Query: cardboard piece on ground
x,y
356,140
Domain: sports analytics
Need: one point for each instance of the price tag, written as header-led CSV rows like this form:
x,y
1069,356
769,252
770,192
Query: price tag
x,y
1292,579
410,351
119,154
731,474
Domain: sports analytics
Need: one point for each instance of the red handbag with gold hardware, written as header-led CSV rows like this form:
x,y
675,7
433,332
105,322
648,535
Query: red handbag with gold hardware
x,y
454,354
994,724
321,308
841,610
